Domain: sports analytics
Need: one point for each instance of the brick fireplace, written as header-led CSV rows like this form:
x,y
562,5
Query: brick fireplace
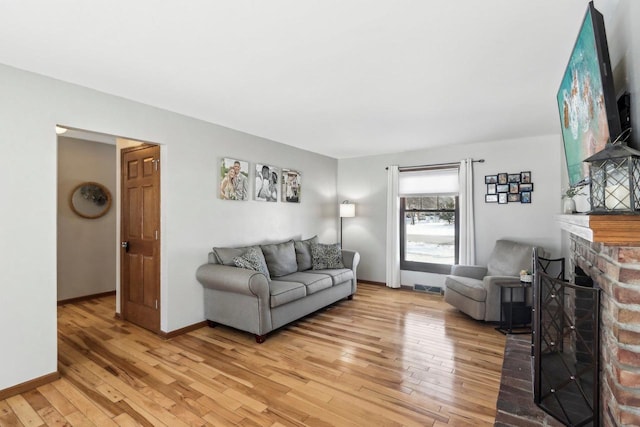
x,y
607,249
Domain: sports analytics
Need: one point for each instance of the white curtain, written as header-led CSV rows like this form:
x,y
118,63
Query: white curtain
x,y
393,228
467,253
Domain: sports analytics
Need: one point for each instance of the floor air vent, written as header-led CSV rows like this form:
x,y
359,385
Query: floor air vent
x,y
428,289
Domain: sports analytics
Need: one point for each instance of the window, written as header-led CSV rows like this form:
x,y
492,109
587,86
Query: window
x,y
429,220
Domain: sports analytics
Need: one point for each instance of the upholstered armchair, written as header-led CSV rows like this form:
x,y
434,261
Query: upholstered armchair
x,y
472,289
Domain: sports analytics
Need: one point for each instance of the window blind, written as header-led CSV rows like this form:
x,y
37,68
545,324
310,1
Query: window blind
x,y
428,182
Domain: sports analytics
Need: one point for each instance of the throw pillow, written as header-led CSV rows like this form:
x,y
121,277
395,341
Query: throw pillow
x,y
252,259
303,253
225,256
281,258
326,256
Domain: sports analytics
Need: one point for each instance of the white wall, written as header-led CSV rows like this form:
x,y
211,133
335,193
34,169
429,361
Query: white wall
x,y
86,256
363,180
193,220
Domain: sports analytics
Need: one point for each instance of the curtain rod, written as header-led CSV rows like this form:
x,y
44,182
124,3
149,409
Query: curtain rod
x,y
436,165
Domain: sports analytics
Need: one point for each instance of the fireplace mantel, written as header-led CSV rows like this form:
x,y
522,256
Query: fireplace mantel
x,y
618,230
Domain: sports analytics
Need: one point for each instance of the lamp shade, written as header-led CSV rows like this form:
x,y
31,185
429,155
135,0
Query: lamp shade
x,y
347,210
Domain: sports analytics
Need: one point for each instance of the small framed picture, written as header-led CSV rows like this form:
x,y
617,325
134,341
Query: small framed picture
x,y
266,188
514,187
491,189
502,188
514,177
526,187
491,198
502,198
234,179
525,197
503,178
490,179
525,177
511,198
291,185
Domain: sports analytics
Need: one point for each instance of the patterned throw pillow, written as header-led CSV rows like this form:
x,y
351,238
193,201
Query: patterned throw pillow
x,y
326,256
252,259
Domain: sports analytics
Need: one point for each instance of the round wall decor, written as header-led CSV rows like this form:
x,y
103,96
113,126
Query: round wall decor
x,y
90,200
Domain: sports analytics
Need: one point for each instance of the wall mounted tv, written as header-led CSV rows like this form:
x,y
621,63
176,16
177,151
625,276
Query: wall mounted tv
x,y
586,98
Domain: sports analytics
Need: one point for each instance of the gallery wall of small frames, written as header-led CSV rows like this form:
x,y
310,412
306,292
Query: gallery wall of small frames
x,y
506,188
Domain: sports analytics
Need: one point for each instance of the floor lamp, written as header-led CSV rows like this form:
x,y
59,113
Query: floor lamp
x,y
347,210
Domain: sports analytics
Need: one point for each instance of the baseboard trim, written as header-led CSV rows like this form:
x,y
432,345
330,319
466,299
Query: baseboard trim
x,y
86,298
29,385
371,282
172,334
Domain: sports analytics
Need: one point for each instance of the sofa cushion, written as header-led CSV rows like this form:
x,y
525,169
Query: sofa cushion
x,y
284,292
303,253
313,282
225,256
471,288
252,259
326,256
338,275
281,258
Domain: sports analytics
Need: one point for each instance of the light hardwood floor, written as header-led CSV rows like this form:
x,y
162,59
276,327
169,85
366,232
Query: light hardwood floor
x,y
387,358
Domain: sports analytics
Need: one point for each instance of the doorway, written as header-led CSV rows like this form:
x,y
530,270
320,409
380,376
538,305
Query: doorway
x,y
99,272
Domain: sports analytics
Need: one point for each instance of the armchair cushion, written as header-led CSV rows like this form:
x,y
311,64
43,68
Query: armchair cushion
x,y
508,258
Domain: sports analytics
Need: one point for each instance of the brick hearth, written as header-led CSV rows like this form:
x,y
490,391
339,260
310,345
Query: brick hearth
x,y
616,270
515,400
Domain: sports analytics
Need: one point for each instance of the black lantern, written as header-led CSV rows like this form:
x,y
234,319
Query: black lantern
x,y
615,179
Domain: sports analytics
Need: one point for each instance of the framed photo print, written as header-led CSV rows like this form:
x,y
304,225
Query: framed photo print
x,y
491,189
266,189
525,197
491,198
234,179
514,177
502,198
525,177
526,187
503,178
490,179
514,187
291,181
511,198
502,188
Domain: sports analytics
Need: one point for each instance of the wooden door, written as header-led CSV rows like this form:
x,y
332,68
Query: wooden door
x,y
140,261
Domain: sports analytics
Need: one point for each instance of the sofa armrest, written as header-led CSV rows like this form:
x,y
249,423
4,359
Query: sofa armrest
x,y
233,279
471,271
350,259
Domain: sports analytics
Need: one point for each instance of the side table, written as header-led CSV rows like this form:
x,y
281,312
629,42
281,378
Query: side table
x,y
515,316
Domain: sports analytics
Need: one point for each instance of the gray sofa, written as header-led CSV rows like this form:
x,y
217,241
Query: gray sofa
x,y
472,289
294,283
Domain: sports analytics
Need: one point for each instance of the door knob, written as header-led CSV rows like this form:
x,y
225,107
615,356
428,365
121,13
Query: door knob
x,y
125,245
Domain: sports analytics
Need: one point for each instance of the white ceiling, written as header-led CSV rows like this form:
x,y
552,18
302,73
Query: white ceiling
x,y
343,78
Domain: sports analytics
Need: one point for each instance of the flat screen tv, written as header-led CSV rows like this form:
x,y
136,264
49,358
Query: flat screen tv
x,y
586,98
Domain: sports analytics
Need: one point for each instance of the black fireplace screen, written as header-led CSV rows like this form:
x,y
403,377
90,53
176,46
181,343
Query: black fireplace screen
x,y
566,350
